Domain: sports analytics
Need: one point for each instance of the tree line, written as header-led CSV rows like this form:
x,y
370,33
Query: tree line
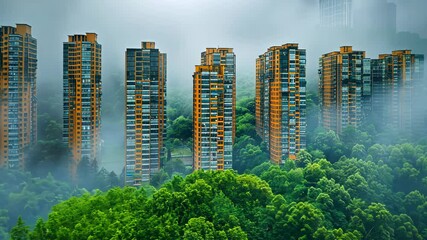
x,y
310,198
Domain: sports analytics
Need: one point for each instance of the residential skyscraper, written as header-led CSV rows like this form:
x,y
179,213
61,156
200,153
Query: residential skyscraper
x,y
281,100
381,99
214,101
82,98
18,102
145,112
398,90
344,88
367,17
336,13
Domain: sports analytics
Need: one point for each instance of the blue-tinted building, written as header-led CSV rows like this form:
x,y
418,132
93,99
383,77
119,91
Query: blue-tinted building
x,y
145,91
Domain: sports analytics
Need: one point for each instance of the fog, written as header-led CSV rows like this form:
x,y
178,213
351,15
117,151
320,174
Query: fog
x,y
183,29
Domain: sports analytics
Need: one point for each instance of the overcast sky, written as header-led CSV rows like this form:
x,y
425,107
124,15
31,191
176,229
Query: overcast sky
x,y
183,29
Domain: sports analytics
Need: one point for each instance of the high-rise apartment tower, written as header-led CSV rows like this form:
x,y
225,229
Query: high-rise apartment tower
x,y
344,88
281,100
18,102
214,101
145,112
398,91
336,13
82,98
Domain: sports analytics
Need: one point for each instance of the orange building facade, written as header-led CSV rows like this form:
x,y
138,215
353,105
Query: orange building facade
x,y
18,102
214,101
82,91
281,101
344,88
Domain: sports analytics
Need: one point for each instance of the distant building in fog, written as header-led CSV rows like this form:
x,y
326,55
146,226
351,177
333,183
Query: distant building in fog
x,y
398,91
344,88
336,13
82,98
145,90
18,103
281,100
214,103
377,16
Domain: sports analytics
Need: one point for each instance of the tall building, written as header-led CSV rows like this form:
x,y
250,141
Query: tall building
x,y
82,98
281,100
145,112
344,88
380,96
335,13
214,101
18,102
367,17
398,91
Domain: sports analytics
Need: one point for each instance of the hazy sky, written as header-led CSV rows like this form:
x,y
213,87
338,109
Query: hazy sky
x,y
183,29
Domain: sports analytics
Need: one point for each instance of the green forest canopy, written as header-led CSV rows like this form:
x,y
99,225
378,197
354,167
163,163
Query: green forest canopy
x,y
310,198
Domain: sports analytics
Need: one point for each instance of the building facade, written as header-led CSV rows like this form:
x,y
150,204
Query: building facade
x,y
214,101
336,13
367,19
18,102
398,91
82,91
281,100
145,112
345,88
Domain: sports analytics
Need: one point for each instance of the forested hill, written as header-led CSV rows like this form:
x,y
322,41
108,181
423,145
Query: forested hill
x,y
310,198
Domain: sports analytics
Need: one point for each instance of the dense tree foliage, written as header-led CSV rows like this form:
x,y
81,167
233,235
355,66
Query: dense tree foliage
x,y
29,197
310,198
353,194
204,205
248,150
90,178
22,194
181,128
49,154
